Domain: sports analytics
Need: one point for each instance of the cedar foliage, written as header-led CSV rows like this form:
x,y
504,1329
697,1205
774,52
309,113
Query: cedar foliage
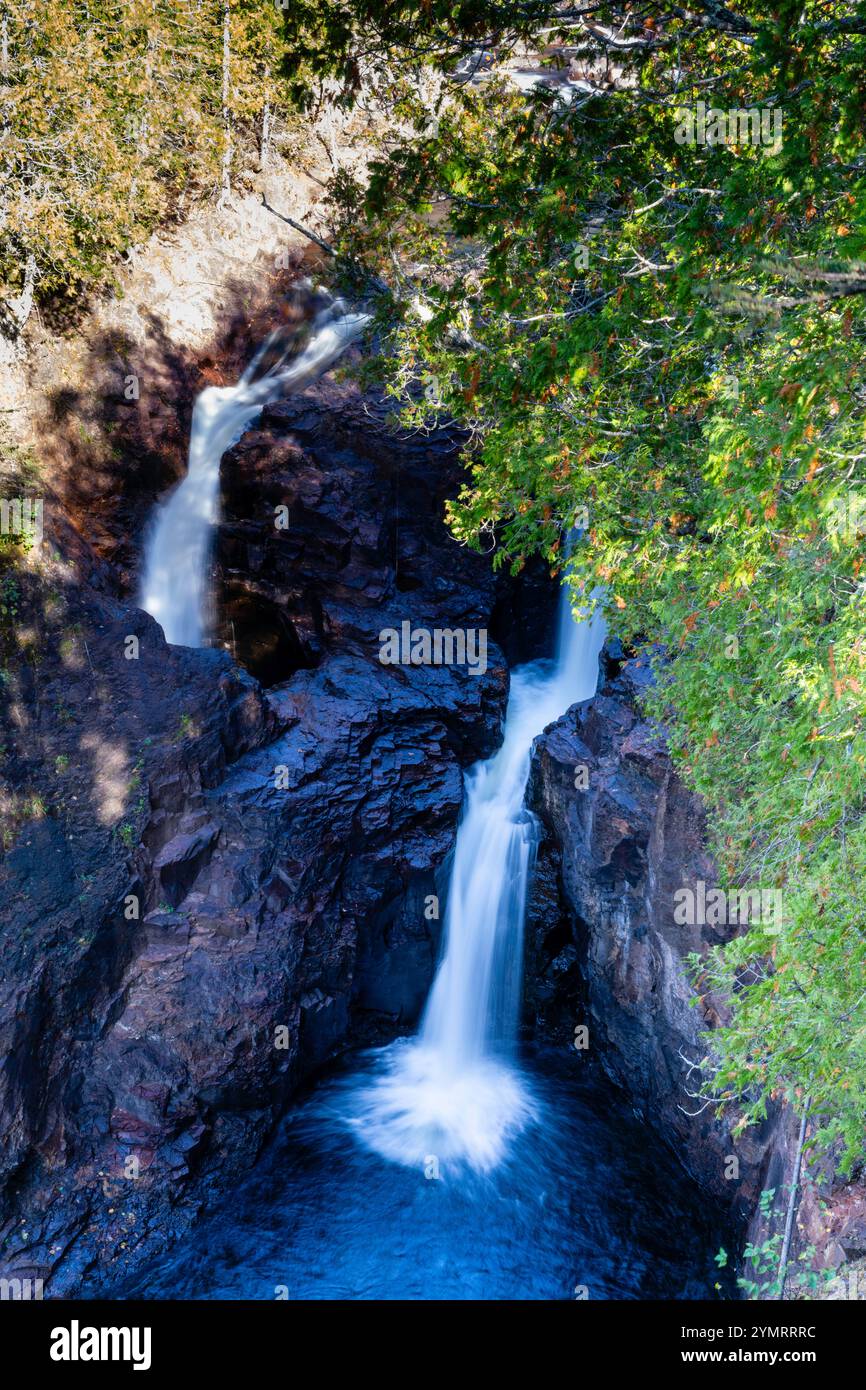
x,y
111,120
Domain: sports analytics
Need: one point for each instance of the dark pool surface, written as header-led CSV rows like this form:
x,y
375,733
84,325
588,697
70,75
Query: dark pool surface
x,y
588,1204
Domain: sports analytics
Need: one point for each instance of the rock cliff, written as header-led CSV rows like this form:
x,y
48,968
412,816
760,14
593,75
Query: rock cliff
x,y
604,950
211,885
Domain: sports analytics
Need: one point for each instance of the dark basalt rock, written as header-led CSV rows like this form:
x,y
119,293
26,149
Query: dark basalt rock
x,y
615,958
604,950
222,885
333,529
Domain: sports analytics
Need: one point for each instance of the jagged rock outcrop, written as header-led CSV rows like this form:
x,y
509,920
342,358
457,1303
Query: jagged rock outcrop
x,y
624,835
605,950
210,886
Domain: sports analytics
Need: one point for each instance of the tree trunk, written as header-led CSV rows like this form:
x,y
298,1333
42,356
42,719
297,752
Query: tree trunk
x,y
225,190
265,147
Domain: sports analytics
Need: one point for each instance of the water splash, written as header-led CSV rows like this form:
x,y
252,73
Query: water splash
x,y
176,587
455,1094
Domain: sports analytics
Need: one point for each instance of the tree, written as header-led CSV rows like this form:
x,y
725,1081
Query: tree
x,y
641,291
110,112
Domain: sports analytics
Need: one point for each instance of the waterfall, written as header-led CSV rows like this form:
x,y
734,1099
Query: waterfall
x,y
474,1002
454,1093
175,589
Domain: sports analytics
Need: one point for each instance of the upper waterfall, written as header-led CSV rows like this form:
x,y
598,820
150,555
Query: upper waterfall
x,y
175,588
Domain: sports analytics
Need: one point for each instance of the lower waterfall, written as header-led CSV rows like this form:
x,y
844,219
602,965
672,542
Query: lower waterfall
x,y
454,1094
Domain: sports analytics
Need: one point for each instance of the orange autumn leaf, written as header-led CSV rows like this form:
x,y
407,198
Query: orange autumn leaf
x,y
472,388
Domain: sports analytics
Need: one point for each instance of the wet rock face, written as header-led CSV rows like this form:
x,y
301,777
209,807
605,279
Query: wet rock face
x,y
225,883
623,836
333,530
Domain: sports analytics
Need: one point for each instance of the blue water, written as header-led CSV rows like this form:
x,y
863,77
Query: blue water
x,y
588,1204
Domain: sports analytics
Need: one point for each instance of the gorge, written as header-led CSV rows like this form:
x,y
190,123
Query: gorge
x,y
455,1105
280,928
373,925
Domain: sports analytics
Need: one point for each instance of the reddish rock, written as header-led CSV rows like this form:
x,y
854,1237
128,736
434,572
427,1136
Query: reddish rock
x,y
604,949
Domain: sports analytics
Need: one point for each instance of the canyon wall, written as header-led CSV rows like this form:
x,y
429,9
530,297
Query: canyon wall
x,y
210,885
623,834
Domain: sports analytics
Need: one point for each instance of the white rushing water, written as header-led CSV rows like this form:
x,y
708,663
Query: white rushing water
x,y
176,585
453,1093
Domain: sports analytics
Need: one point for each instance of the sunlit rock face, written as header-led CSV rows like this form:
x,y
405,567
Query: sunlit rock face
x,y
224,883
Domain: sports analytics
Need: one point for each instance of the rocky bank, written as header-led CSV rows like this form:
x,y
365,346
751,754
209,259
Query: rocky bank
x,y
623,834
